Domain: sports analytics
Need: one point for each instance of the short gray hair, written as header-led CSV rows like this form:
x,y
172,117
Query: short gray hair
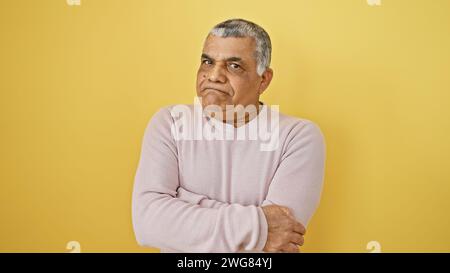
x,y
244,28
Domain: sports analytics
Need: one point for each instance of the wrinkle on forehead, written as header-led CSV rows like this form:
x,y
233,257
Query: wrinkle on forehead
x,y
220,48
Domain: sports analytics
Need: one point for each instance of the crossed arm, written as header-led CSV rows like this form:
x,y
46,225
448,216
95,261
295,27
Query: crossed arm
x,y
285,233
167,216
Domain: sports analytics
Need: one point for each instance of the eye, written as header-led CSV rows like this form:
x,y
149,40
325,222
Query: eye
x,y
206,61
234,66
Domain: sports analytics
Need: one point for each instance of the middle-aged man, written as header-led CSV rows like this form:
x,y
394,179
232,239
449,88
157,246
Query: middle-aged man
x,y
222,191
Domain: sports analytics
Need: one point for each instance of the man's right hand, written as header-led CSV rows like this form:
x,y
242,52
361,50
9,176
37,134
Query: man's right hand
x,y
285,234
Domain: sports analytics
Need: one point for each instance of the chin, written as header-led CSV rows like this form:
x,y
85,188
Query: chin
x,y
209,100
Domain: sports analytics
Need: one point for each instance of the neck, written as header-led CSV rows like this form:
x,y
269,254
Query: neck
x,y
241,116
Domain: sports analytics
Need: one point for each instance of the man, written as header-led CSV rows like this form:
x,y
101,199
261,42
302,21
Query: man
x,y
225,194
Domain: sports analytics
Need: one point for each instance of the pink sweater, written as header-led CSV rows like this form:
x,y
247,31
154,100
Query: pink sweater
x,y
206,195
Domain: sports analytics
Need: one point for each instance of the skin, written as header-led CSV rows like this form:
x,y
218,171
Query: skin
x,y
227,73
228,76
285,233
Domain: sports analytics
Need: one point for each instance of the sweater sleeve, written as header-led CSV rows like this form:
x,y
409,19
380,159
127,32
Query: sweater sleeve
x,y
297,183
162,220
199,199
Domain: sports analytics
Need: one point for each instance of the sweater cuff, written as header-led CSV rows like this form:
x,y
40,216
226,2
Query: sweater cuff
x,y
263,230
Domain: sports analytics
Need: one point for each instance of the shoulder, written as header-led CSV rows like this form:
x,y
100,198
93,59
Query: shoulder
x,y
301,132
165,115
162,122
295,125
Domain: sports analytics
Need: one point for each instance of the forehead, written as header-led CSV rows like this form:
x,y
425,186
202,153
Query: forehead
x,y
222,48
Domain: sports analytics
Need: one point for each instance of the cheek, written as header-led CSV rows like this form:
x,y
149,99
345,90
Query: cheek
x,y
199,75
200,78
243,88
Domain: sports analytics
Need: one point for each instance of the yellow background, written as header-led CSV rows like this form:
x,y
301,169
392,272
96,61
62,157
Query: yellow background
x,y
79,84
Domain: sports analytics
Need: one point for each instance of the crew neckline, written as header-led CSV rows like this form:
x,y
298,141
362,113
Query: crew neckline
x,y
220,125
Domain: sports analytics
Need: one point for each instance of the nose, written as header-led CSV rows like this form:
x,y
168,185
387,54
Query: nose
x,y
216,74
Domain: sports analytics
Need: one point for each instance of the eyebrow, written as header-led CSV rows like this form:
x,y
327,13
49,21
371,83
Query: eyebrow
x,y
230,59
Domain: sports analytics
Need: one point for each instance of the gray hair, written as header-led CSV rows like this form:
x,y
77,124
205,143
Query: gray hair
x,y
244,28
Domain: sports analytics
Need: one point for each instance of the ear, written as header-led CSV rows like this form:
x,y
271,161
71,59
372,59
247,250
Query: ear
x,y
266,78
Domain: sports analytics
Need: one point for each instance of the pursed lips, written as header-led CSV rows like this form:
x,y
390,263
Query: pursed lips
x,y
215,89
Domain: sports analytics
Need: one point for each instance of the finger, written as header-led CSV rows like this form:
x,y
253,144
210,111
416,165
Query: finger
x,y
299,228
290,248
287,211
272,250
297,239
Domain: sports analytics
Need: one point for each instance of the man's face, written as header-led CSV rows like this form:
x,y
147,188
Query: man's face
x,y
227,73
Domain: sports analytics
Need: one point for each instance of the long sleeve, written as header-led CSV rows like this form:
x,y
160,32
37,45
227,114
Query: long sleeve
x,y
297,183
162,220
199,199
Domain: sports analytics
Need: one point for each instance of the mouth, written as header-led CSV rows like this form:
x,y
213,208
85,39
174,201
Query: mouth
x,y
208,89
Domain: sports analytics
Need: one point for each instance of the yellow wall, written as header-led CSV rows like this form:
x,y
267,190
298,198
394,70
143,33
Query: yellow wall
x,y
79,83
